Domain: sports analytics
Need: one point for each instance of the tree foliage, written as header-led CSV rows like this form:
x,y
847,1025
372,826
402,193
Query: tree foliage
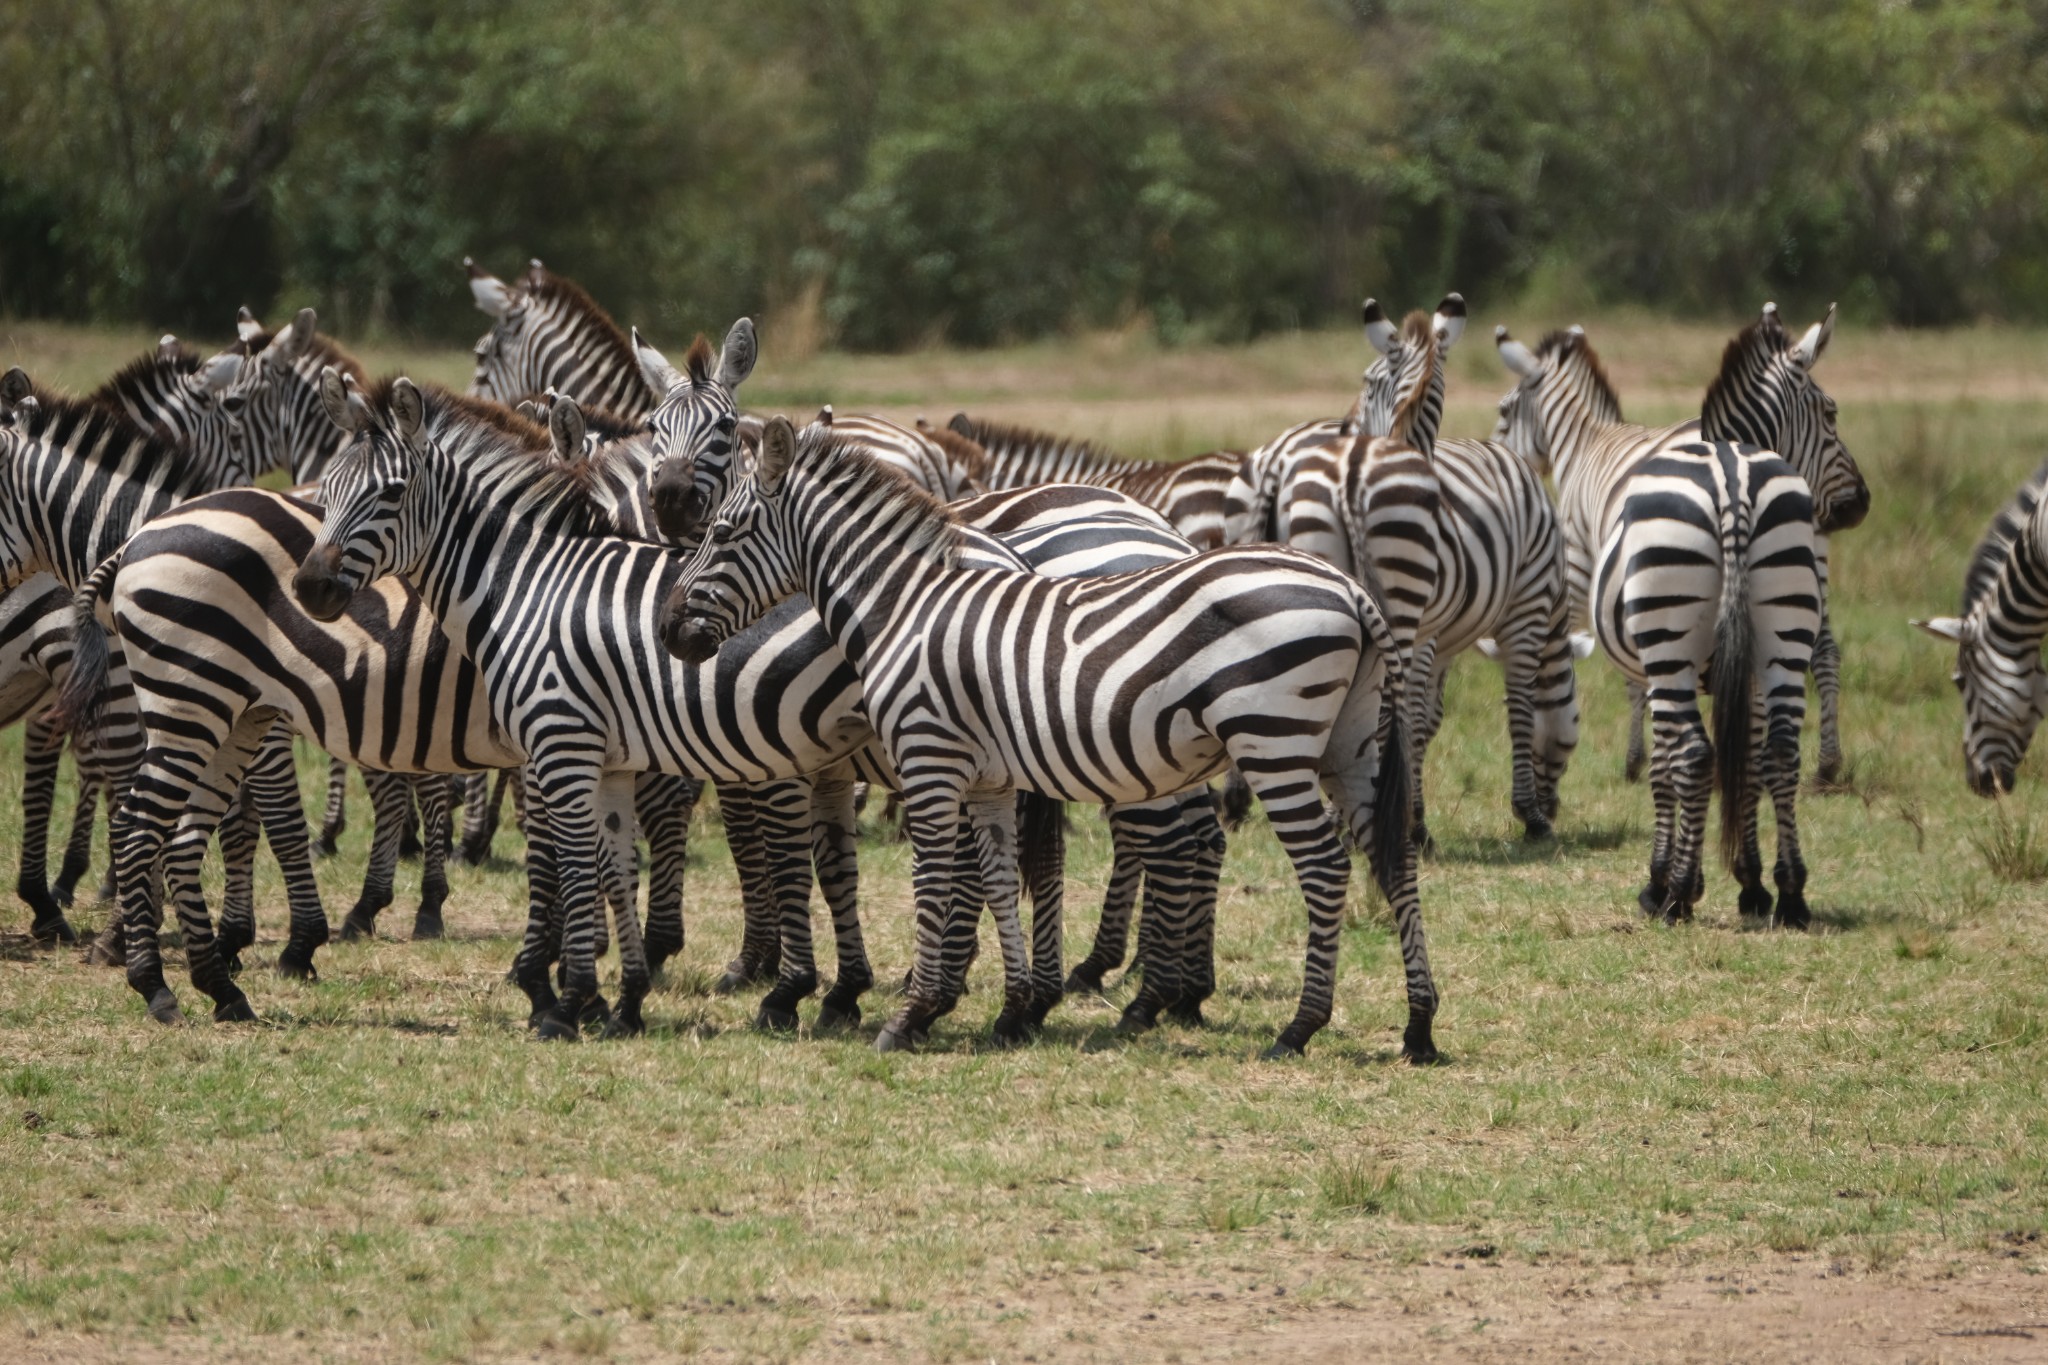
x,y
913,170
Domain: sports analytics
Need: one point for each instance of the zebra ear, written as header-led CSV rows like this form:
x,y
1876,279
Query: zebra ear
x,y
1582,644
1810,346
304,324
962,425
166,347
736,358
654,367
778,450
1513,354
493,296
247,328
408,411
566,428
218,373
1949,628
14,387
532,412
335,397
1450,321
1380,332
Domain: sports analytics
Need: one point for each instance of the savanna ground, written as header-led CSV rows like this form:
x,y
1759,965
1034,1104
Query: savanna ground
x,y
1647,1143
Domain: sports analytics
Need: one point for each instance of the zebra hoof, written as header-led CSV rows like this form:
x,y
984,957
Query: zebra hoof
x,y
597,1011
1418,1048
425,926
298,966
1425,842
1281,1051
233,1009
775,1019
358,925
163,1007
1537,830
837,1018
1138,1017
553,1028
1829,771
107,949
1651,899
1187,1013
889,1040
1042,1004
1754,903
1084,980
327,845
1792,912
1009,1034
626,1022
51,929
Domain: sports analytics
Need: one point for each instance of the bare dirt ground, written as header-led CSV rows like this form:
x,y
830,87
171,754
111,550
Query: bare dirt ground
x,y
1795,1309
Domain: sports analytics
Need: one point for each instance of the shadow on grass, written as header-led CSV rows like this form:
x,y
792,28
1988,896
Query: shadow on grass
x,y
1520,852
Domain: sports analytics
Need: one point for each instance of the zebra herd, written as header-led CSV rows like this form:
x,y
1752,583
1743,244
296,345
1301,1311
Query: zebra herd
x,y
595,571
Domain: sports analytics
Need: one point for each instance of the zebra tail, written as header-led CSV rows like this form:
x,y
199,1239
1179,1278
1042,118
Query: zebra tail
x,y
1393,804
84,691
1041,842
1734,670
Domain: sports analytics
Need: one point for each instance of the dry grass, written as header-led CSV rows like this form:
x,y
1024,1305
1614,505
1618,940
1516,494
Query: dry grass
x,y
388,1167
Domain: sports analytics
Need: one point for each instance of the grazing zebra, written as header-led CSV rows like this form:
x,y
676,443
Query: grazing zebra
x,y
1706,570
1189,493
79,479
1998,639
982,681
697,430
1500,570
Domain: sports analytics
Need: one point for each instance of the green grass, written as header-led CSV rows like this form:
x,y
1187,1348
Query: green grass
x,y
388,1157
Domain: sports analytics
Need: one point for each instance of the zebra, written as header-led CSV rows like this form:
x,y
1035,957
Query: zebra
x,y
1189,493
1998,640
1706,568
547,333
697,432
1128,688
79,479
1500,570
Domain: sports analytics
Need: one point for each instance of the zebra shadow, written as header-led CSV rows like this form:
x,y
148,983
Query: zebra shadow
x,y
1521,852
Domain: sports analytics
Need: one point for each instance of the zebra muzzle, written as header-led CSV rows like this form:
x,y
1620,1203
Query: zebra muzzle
x,y
318,584
678,506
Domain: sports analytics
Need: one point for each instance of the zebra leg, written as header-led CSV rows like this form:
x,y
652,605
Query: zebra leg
x,y
995,830
409,846
621,874
482,799
1781,774
432,794
1528,797
42,748
960,938
390,807
274,785
1112,934
334,821
663,805
1424,702
760,943
189,821
543,942
78,847
1752,901
1167,850
566,796
238,834
1295,809
782,816
1827,678
931,811
834,811
1638,700
1042,859
1686,757
1551,697
1198,956
1370,793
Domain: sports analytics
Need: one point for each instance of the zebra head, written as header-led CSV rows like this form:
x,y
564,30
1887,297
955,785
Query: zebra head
x,y
501,352
695,426
371,527
1560,388
2004,696
271,398
1402,365
745,565
1766,396
18,406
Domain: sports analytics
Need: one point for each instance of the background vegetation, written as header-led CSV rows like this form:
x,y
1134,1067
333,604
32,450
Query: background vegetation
x,y
883,173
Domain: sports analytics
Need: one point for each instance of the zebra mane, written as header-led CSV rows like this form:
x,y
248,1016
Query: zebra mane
x,y
859,474
101,433
321,351
1988,559
998,439
699,360
1750,351
499,448
964,451
543,284
1417,328
609,426
1569,345
1418,332
139,373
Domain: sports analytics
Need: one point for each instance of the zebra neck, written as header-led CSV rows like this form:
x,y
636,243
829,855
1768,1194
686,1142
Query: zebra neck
x,y
866,574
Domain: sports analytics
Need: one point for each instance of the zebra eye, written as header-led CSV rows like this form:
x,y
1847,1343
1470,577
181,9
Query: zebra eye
x,y
233,404
721,531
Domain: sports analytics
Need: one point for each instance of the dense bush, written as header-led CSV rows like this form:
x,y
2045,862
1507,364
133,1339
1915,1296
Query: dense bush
x,y
896,171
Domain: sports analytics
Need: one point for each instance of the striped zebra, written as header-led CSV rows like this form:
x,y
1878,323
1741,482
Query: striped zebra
x,y
1705,569
1500,573
80,478
1189,493
1998,639
547,333
982,681
697,433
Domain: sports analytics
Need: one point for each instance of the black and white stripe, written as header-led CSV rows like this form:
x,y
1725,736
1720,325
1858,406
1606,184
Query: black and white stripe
x,y
983,681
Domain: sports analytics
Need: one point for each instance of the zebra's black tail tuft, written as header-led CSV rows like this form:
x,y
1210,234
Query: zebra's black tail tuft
x,y
1041,842
84,691
1393,802
1734,678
